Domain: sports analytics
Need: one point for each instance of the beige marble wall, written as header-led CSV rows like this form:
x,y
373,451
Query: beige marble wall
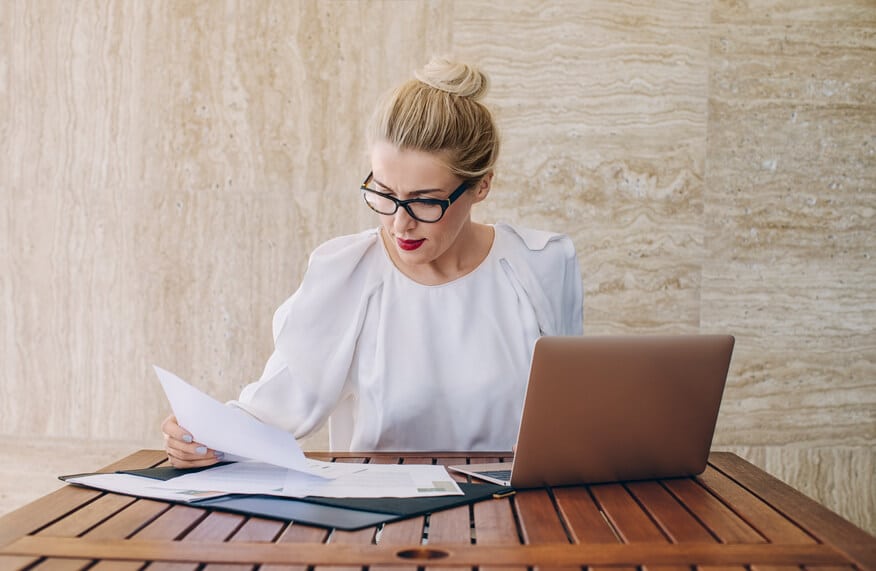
x,y
791,181
166,167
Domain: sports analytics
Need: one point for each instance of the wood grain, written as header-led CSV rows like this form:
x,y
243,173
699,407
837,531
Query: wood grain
x,y
548,555
732,517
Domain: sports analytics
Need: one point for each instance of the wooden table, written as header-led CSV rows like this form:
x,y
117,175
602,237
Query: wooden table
x,y
734,516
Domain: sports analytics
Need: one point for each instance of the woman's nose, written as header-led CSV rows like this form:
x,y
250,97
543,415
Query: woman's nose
x,y
402,221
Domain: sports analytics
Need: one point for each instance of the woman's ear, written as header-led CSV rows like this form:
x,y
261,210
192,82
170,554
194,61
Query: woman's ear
x,y
483,187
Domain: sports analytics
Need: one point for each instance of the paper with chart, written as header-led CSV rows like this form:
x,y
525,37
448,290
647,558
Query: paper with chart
x,y
342,481
346,481
139,486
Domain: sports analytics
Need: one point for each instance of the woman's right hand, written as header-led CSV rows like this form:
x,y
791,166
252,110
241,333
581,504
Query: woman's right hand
x,y
182,451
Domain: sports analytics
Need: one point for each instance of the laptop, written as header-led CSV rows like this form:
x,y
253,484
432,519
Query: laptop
x,y
618,408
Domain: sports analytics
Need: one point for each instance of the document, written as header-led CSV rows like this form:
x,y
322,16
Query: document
x,y
228,429
377,481
140,487
274,463
349,481
341,481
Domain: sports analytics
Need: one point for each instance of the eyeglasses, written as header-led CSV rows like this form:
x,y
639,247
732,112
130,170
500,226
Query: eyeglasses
x,y
421,209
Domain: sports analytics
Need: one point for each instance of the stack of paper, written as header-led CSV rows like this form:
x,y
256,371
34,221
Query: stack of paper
x,y
270,461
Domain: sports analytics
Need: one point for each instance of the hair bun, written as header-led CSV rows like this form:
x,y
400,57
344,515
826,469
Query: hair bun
x,y
454,77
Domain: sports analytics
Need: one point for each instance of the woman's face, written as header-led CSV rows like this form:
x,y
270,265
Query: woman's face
x,y
406,174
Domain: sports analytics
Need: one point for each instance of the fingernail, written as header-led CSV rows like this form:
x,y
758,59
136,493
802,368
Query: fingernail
x,y
201,449
187,438
219,455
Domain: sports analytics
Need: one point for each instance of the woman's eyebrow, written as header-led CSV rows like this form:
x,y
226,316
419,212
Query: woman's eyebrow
x,y
414,192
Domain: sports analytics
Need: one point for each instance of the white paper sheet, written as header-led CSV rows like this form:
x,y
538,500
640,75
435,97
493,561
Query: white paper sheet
x,y
347,480
375,481
228,429
254,477
142,487
278,465
237,478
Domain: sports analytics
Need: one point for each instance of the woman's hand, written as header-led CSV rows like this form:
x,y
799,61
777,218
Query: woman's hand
x,y
182,451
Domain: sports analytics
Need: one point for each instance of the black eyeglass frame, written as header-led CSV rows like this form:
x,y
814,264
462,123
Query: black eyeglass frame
x,y
444,203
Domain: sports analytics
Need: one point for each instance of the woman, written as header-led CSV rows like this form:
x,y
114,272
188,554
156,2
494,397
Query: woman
x,y
416,335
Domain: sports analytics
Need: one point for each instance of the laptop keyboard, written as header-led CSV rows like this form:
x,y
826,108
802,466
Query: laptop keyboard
x,y
498,474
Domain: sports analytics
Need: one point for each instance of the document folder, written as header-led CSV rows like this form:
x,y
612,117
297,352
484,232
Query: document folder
x,y
338,513
346,513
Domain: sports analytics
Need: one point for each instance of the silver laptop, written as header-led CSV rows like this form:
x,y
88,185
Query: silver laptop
x,y
608,409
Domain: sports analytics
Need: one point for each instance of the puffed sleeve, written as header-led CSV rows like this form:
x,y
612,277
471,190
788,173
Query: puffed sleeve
x,y
546,266
315,336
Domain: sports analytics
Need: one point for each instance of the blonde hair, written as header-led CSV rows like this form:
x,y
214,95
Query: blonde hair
x,y
440,112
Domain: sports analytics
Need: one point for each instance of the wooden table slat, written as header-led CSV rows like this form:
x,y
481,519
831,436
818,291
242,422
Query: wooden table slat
x,y
254,529
39,513
405,532
14,563
172,524
215,527
586,522
815,519
761,516
43,511
349,538
495,525
486,460
89,516
632,523
734,516
721,521
449,527
539,522
58,564
128,521
296,534
783,568
454,555
259,529
674,519
629,519
63,501
123,523
169,525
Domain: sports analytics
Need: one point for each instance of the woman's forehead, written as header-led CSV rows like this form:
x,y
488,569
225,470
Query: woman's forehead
x,y
408,169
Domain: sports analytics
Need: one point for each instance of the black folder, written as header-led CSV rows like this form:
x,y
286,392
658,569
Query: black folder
x,y
337,513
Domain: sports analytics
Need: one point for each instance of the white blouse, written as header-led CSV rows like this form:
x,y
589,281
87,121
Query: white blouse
x,y
396,365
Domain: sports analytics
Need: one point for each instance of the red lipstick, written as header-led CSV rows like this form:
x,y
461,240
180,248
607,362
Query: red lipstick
x,y
409,244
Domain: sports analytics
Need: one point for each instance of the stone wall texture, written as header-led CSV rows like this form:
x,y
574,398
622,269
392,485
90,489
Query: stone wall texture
x,y
166,167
